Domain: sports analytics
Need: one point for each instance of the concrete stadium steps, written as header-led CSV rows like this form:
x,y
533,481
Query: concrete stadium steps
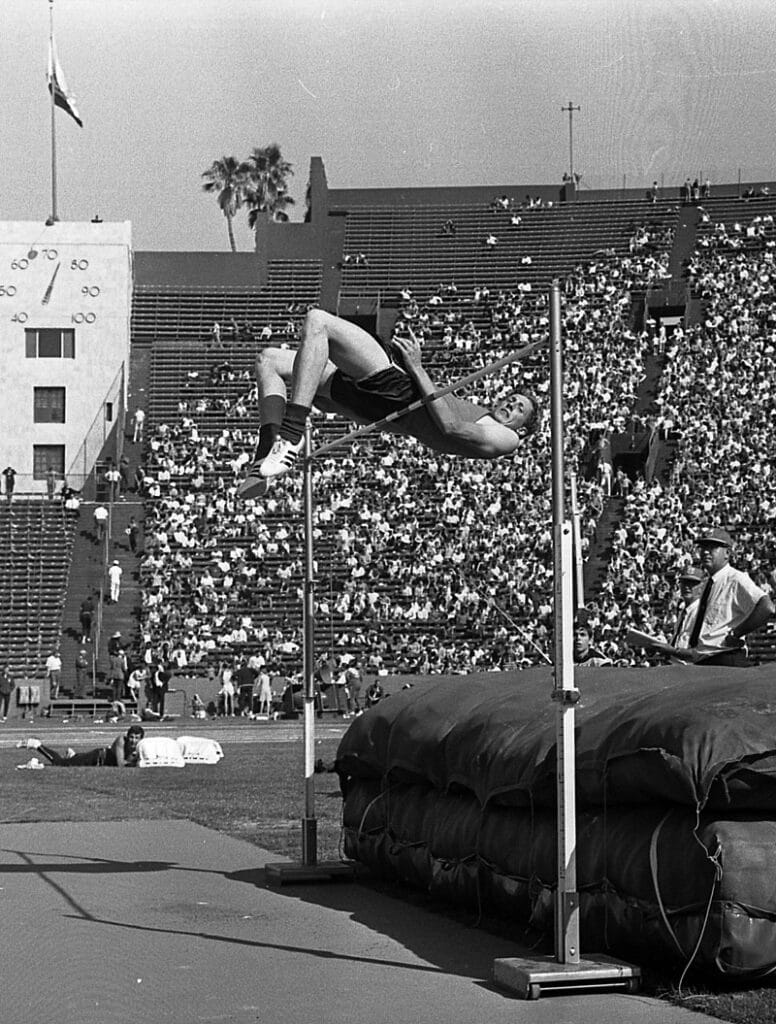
x,y
734,208
730,211
123,616
36,539
173,363
86,578
404,246
86,575
190,312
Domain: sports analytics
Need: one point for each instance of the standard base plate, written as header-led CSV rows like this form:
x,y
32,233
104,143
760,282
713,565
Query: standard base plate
x,y
528,978
296,873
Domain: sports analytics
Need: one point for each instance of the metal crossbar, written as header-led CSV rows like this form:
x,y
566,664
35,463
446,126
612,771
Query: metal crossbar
x,y
485,371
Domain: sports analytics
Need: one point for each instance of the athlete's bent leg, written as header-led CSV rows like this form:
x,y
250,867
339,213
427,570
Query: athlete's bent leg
x,y
274,371
327,343
274,368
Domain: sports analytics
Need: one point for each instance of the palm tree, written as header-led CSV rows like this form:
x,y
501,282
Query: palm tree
x,y
228,179
267,183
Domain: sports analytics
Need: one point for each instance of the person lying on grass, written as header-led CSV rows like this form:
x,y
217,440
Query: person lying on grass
x,y
122,753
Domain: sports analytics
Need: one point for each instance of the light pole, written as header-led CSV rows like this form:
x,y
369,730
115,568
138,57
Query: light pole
x,y
570,110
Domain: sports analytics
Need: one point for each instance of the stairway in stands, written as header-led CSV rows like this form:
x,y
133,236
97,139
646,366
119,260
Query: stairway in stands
x,y
674,294
90,558
123,617
85,578
87,575
601,547
36,538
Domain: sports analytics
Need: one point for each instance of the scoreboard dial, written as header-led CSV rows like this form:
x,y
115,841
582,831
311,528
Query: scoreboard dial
x,y
59,281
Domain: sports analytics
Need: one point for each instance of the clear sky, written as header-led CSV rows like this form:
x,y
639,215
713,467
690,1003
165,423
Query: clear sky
x,y
387,92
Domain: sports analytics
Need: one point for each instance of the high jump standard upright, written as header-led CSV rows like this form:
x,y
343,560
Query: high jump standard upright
x,y
528,977
310,869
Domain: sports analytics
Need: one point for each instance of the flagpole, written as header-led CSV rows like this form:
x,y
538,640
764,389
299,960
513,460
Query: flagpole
x,y
54,216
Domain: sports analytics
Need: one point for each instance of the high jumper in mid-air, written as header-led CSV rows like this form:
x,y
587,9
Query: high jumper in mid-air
x,y
340,368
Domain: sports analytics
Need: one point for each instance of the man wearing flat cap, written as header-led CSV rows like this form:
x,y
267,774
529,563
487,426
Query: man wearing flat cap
x,y
691,581
730,606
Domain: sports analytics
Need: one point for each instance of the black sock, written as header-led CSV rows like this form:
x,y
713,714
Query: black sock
x,y
292,427
273,409
267,434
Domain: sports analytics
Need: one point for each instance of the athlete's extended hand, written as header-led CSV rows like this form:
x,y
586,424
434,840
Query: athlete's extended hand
x,y
409,349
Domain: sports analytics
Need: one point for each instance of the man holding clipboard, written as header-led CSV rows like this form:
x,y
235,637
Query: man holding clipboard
x,y
730,605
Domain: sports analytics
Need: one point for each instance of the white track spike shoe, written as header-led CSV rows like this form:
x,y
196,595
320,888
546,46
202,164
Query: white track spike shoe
x,y
281,458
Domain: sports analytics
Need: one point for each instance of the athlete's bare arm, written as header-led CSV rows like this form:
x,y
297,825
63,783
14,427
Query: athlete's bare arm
x,y
485,439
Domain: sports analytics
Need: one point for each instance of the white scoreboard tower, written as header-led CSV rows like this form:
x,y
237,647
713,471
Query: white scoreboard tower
x,y
65,303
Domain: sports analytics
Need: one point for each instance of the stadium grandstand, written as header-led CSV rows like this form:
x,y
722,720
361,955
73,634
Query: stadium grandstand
x,y
424,563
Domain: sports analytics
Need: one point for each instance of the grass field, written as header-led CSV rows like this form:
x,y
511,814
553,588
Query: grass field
x,y
256,794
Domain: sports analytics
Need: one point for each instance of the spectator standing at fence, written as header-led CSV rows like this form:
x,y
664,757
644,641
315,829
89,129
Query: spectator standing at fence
x,y
100,521
138,424
139,480
265,692
353,680
161,685
123,475
51,483
339,687
10,481
245,678
226,691
86,616
730,606
133,532
81,674
113,479
117,673
53,673
7,686
114,575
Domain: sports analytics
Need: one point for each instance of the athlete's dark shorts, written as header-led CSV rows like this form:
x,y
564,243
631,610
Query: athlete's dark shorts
x,y
379,395
98,758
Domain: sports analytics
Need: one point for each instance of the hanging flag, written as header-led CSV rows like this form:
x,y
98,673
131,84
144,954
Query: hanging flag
x,y
56,83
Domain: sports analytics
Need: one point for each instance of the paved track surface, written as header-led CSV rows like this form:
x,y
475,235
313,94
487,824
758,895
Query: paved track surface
x,y
172,922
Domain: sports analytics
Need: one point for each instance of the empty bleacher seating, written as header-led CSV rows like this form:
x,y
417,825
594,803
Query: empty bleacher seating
x,y
36,538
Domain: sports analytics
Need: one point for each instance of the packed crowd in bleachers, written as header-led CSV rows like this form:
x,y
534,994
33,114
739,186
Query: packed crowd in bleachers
x,y
458,581
461,579
717,400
